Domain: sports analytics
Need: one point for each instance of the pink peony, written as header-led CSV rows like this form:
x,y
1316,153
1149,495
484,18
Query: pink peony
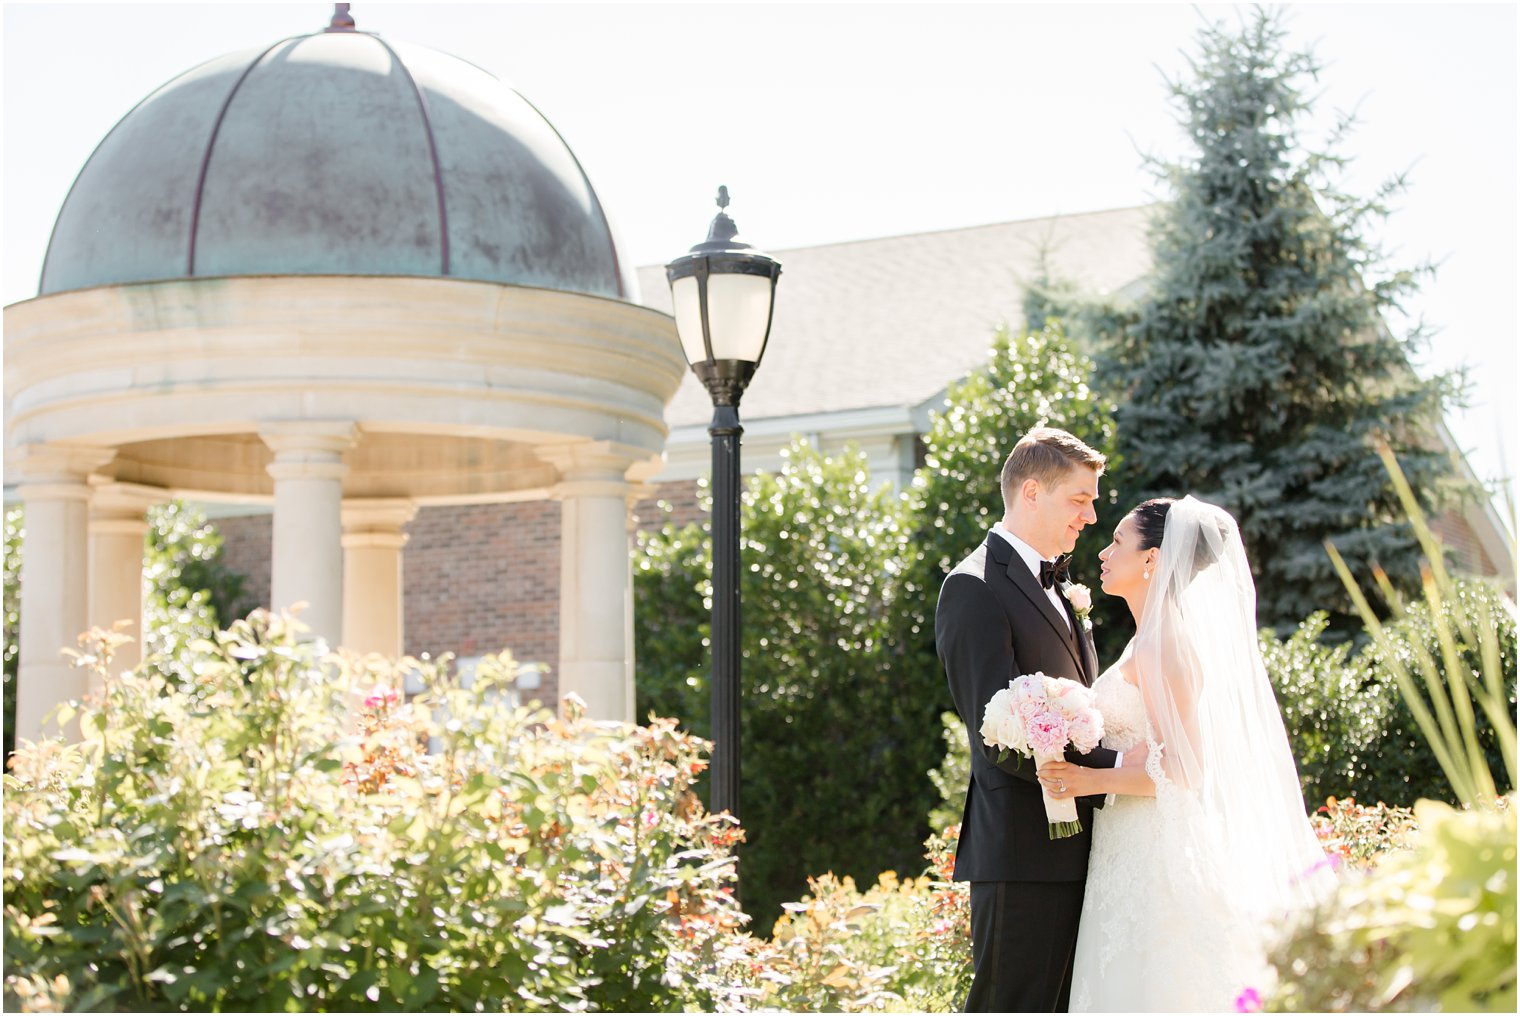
x,y
1086,729
1047,734
1029,688
1248,1001
1029,712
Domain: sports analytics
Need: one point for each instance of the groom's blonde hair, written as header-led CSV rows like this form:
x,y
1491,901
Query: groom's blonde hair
x,y
1047,454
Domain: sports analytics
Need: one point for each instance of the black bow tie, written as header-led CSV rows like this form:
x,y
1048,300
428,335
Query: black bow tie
x,y
1055,571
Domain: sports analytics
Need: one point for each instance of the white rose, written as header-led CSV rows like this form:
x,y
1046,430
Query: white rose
x,y
1011,734
1080,597
993,716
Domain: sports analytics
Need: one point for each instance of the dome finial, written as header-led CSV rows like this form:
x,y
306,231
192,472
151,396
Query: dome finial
x,y
722,196
342,21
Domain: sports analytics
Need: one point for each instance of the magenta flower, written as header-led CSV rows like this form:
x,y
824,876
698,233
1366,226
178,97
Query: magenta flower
x,y
1248,1001
381,697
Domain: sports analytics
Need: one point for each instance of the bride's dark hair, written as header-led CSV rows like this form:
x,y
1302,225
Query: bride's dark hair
x,y
1150,520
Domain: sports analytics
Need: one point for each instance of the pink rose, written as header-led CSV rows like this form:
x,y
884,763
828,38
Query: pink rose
x,y
1080,597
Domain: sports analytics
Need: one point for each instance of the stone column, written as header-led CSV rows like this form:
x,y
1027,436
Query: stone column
x,y
55,494
373,614
595,611
307,553
117,528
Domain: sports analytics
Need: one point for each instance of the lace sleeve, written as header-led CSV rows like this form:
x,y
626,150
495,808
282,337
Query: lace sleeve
x,y
1153,765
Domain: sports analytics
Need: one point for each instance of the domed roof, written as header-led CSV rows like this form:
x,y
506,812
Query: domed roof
x,y
336,153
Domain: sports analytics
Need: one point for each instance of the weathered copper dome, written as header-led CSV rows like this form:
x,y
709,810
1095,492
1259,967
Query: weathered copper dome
x,y
335,153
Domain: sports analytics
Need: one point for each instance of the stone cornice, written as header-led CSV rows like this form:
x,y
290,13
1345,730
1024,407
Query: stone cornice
x,y
141,362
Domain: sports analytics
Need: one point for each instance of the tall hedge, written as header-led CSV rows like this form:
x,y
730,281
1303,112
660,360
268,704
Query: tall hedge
x,y
838,728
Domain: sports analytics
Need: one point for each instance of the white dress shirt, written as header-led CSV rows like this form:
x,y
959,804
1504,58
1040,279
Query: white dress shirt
x,y
1032,558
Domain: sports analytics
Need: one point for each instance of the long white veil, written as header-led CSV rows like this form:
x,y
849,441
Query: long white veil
x,y
1225,757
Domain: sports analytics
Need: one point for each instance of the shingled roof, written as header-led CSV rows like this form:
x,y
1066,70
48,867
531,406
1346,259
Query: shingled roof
x,y
891,321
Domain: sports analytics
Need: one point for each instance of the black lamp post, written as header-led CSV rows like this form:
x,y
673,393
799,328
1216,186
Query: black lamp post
x,y
724,292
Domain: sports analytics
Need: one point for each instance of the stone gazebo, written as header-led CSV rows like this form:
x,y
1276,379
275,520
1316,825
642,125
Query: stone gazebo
x,y
346,278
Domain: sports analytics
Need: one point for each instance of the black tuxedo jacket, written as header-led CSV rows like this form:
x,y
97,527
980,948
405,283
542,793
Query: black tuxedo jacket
x,y
993,623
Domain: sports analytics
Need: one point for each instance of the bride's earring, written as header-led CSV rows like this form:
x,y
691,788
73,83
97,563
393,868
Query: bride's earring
x,y
1147,574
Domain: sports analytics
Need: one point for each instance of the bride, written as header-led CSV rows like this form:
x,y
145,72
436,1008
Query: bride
x,y
1192,868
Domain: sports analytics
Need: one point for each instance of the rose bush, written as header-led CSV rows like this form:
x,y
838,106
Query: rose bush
x,y
276,835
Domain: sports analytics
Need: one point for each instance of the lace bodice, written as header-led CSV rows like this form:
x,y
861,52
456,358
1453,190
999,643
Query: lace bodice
x,y
1124,721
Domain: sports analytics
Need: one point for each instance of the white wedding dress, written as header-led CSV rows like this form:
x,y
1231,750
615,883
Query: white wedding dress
x,y
1150,941
1187,890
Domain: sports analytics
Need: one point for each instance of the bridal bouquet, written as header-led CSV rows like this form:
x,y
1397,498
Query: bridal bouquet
x,y
1038,717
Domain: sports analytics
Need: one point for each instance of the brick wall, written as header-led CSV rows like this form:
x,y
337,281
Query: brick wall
x,y
482,578
245,549
1457,536
671,504
479,578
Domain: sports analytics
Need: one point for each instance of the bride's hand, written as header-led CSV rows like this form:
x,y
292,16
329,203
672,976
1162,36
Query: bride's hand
x,y
1066,779
1135,757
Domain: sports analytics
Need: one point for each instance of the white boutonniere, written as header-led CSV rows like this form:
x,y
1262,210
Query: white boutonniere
x,y
1080,598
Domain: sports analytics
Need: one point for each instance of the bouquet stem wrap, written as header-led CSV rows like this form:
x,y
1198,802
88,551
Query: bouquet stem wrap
x,y
1061,814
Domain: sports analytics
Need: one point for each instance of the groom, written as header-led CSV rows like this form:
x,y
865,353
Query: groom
x,y
1002,613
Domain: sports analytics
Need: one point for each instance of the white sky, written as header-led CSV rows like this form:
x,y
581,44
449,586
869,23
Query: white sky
x,y
841,122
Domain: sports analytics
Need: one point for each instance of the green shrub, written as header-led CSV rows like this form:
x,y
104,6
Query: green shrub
x,y
14,533
1331,711
837,732
1408,766
189,592
952,776
1352,731
899,946
276,836
1432,928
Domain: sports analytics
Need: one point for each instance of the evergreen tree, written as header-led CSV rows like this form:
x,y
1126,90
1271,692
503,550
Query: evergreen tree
x,y
1259,368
